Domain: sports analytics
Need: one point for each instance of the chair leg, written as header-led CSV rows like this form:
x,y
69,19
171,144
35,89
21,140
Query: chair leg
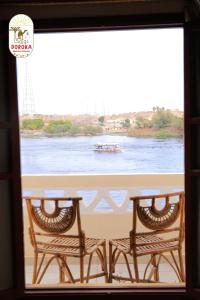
x,y
61,270
147,266
128,267
89,267
177,265
35,268
182,272
45,267
100,255
82,269
155,268
110,263
66,269
62,273
105,262
135,264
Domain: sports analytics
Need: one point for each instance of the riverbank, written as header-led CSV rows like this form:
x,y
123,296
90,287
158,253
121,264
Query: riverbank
x,y
136,132
36,133
156,133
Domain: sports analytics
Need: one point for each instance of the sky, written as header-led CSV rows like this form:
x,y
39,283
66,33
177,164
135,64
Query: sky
x,y
105,72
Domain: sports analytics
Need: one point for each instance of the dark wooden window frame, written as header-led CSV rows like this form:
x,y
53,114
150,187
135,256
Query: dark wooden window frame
x,y
90,24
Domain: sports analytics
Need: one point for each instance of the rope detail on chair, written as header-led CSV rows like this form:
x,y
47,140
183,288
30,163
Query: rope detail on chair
x,y
155,219
59,221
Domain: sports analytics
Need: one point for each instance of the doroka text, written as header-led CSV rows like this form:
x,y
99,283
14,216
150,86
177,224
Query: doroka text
x,y
21,46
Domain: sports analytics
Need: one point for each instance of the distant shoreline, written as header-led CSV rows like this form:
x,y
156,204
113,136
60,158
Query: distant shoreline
x,y
137,133
158,123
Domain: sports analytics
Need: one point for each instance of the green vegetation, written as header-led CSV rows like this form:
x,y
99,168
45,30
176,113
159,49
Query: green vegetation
x,y
141,132
162,118
32,124
58,127
177,123
164,133
126,123
141,122
75,129
159,123
165,118
91,130
61,127
101,120
163,124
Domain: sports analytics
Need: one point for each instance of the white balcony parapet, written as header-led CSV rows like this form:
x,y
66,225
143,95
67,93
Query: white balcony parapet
x,y
102,193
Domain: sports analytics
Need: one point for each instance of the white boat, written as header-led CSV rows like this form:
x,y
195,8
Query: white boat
x,y
107,147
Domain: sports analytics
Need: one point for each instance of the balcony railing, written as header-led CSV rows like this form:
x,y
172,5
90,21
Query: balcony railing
x,y
102,193
105,209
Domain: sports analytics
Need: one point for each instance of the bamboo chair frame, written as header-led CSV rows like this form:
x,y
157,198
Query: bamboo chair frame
x,y
152,242
55,225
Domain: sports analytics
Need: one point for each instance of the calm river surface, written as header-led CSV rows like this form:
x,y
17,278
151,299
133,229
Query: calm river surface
x,y
75,155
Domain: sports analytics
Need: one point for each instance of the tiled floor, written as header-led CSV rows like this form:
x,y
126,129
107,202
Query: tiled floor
x,y
167,275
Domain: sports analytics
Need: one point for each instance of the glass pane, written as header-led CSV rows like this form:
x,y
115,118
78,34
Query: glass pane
x,y
105,123
6,272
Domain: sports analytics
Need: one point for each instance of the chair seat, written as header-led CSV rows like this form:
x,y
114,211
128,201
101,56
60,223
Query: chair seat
x,y
123,244
69,246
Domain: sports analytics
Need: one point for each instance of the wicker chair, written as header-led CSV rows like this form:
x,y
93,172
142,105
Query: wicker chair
x,y
155,239
51,241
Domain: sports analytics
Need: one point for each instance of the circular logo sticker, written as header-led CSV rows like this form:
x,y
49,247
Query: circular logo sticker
x,y
21,36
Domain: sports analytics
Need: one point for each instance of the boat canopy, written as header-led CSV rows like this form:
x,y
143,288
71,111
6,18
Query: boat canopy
x,y
107,144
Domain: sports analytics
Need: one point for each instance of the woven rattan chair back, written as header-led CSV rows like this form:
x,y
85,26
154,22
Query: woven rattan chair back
x,y
158,219
60,220
65,212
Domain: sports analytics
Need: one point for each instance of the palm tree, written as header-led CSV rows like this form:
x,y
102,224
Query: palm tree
x,y
15,29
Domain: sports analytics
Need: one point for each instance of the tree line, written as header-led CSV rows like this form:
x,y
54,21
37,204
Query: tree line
x,y
162,123
162,118
60,127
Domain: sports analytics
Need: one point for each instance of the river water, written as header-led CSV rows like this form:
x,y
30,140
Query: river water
x,y
75,155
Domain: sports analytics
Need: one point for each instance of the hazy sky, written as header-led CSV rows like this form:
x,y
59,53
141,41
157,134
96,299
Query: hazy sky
x,y
105,72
